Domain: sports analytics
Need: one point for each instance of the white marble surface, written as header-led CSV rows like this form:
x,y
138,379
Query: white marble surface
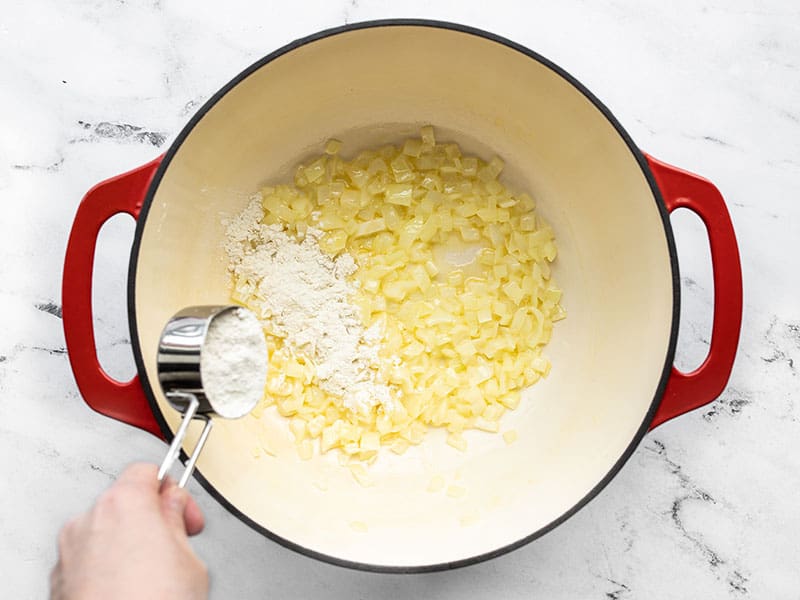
x,y
707,507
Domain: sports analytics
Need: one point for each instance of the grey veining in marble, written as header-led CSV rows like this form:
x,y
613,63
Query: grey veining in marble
x,y
706,508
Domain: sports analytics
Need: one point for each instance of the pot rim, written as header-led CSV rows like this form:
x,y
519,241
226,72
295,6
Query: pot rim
x,y
635,151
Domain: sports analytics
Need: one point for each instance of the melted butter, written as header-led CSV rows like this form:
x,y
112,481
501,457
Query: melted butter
x,y
458,254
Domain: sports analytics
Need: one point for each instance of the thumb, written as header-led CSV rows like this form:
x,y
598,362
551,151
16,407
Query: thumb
x,y
173,505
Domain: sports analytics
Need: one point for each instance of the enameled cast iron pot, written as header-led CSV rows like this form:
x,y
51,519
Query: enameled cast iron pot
x,y
608,202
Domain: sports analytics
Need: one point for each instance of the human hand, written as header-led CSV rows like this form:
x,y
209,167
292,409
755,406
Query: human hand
x,y
132,544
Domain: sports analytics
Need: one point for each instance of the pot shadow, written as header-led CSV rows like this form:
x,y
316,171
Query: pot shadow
x,y
263,568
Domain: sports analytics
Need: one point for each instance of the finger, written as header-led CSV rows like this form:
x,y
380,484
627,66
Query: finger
x,y
70,531
141,475
193,517
193,520
173,506
166,483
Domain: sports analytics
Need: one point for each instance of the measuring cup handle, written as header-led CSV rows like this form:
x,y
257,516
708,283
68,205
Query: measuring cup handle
x,y
124,401
688,391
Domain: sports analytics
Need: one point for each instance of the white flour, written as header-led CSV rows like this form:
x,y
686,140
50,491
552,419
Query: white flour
x,y
233,363
302,295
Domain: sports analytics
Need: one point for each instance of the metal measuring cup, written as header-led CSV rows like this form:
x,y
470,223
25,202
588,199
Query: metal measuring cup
x,y
179,351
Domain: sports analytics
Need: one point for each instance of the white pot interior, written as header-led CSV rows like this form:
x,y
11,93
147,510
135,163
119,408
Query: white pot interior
x,y
371,86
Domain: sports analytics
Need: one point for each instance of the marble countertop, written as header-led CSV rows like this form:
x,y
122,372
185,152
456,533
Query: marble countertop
x,y
706,508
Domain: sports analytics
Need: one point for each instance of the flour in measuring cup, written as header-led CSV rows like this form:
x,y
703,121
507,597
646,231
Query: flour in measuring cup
x,y
302,295
233,363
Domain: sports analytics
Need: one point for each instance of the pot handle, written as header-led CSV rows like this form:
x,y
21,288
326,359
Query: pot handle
x,y
687,391
126,401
